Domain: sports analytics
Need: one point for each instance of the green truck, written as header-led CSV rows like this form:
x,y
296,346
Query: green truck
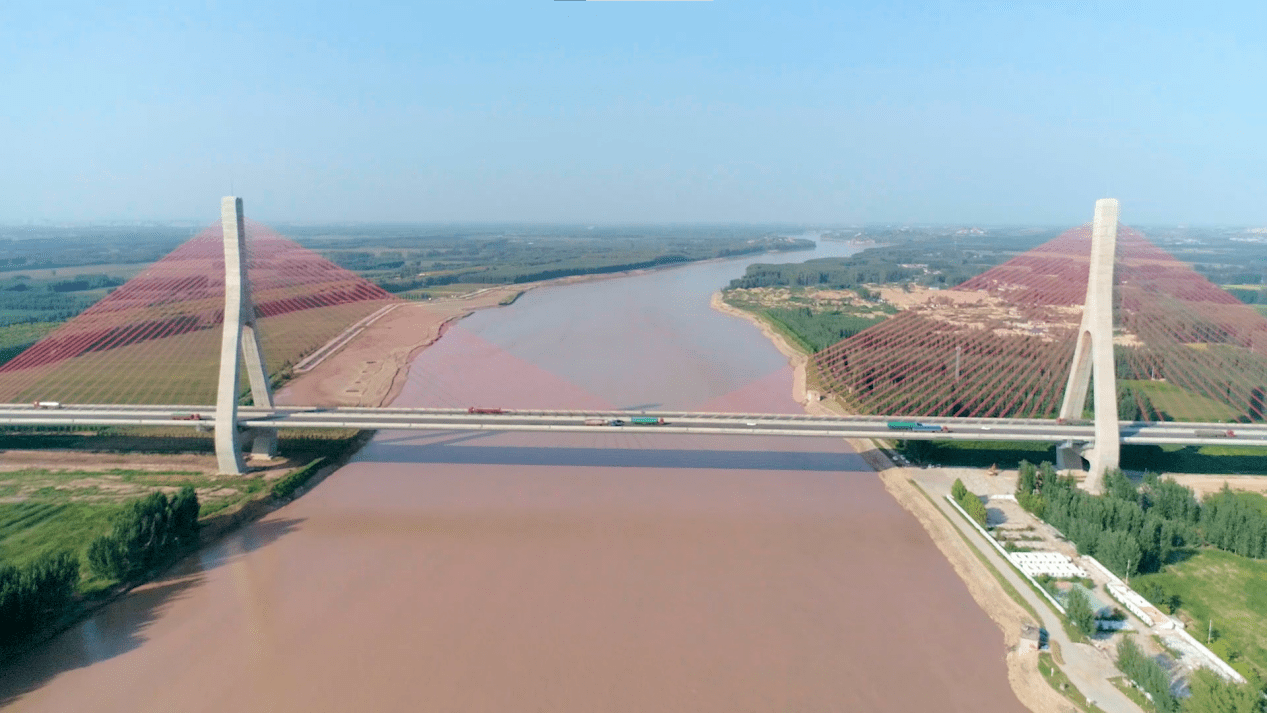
x,y
646,421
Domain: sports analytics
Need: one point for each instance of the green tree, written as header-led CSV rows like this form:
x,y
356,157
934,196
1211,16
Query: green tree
x,y
1147,674
149,533
1026,478
33,595
958,490
1078,609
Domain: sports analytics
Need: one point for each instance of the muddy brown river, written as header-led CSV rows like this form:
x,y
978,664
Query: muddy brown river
x,y
622,570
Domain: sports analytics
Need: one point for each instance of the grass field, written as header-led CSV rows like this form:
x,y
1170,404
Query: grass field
x,y
1227,589
44,511
1181,404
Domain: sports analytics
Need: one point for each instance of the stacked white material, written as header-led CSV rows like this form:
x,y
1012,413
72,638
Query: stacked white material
x,y
1133,602
1052,564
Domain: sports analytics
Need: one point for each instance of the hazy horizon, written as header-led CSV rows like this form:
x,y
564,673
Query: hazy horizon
x,y
729,112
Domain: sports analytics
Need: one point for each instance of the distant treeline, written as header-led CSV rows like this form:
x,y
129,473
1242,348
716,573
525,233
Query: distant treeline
x,y
42,248
1131,529
516,262
1249,297
929,261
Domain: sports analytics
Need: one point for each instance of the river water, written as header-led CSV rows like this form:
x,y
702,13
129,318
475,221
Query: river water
x,y
622,570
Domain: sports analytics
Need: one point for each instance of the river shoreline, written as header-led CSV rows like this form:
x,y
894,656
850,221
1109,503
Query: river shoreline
x,y
1027,683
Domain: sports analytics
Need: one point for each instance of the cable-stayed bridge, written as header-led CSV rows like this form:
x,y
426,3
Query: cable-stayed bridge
x,y
998,358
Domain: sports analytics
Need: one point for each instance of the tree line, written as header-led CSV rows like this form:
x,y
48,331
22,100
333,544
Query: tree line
x,y
1146,673
819,330
36,594
1134,529
969,501
149,533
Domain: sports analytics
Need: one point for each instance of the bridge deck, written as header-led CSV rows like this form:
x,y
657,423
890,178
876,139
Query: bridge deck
x,y
678,422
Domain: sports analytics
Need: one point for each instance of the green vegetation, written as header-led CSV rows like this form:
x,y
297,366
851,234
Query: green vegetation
x,y
820,330
1212,694
148,534
1129,689
69,537
1156,528
1219,593
33,595
286,486
416,260
1132,530
1248,460
1061,683
975,454
931,260
47,522
1172,402
1146,673
1078,609
15,338
970,503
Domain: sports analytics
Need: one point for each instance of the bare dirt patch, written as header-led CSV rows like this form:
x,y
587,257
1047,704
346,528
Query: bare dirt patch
x,y
96,462
1203,485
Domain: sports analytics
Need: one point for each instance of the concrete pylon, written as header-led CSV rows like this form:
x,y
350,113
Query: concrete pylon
x,y
1094,355
240,336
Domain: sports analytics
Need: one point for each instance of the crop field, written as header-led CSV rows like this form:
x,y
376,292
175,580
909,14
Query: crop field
x,y
1000,344
156,339
1226,589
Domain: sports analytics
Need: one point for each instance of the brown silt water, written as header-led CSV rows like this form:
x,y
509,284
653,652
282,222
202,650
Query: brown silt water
x,y
619,570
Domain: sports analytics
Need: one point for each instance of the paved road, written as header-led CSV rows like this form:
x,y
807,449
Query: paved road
x,y
1083,664
756,424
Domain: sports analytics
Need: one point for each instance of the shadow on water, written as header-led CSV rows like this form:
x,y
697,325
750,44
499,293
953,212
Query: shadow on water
x,y
120,626
445,453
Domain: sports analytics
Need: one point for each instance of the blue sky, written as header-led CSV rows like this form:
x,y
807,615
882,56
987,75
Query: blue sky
x,y
733,111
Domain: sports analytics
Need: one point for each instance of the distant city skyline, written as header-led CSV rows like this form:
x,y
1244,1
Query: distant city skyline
x,y
957,113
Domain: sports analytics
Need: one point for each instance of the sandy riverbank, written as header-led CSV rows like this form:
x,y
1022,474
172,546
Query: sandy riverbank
x,y
1023,675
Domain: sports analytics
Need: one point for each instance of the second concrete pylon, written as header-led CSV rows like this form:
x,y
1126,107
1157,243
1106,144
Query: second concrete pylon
x,y
240,335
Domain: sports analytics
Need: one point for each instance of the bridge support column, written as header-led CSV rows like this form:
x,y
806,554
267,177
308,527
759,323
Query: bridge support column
x,y
239,336
1093,355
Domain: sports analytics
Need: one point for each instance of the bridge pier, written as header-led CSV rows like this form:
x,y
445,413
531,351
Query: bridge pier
x,y
1093,355
239,336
